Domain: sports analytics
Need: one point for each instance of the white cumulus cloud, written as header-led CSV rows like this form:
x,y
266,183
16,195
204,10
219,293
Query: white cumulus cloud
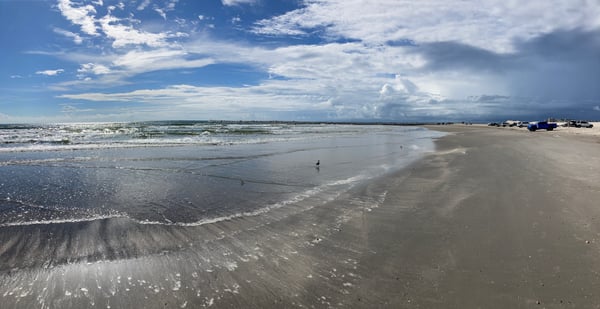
x,y
124,35
82,16
489,24
121,31
92,68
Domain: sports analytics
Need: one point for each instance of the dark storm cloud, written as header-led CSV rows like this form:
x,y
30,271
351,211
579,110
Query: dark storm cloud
x,y
563,65
458,56
562,45
571,47
556,73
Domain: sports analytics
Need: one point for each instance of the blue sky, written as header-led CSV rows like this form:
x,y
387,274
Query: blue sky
x,y
322,60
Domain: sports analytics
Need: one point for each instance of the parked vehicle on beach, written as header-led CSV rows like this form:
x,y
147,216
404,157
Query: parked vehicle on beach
x,y
523,124
541,125
493,124
583,124
578,124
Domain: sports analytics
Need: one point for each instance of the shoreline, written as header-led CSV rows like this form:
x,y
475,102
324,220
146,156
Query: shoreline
x,y
492,218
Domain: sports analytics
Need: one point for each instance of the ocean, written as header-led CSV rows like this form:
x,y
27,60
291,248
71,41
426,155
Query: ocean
x,y
92,197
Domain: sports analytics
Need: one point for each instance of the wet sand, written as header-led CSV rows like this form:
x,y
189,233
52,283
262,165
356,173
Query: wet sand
x,y
493,219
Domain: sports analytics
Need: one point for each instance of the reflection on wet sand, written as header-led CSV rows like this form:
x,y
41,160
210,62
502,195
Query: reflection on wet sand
x,y
118,262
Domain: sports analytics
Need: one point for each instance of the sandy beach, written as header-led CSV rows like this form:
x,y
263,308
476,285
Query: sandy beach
x,y
310,154
494,218
500,219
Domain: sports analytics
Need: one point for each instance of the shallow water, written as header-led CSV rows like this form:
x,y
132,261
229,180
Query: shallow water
x,y
101,202
191,182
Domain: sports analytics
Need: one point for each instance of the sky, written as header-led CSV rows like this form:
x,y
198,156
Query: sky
x,y
301,60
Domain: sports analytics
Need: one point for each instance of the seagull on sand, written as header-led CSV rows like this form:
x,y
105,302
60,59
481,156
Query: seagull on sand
x,y
318,163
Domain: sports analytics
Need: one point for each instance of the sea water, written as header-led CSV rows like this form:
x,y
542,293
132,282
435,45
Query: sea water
x,y
187,172
137,213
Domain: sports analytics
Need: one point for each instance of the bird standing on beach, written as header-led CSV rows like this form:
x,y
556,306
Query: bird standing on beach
x,y
318,163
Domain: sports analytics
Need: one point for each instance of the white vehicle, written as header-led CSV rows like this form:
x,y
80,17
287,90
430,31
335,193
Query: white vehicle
x,y
583,124
578,124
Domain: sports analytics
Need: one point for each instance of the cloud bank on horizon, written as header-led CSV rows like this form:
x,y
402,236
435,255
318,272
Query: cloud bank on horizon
x,y
385,60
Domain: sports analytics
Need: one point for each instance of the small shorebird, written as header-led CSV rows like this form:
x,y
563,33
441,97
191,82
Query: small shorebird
x,y
318,163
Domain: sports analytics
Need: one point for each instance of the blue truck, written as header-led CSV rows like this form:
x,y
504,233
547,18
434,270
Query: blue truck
x,y
541,125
